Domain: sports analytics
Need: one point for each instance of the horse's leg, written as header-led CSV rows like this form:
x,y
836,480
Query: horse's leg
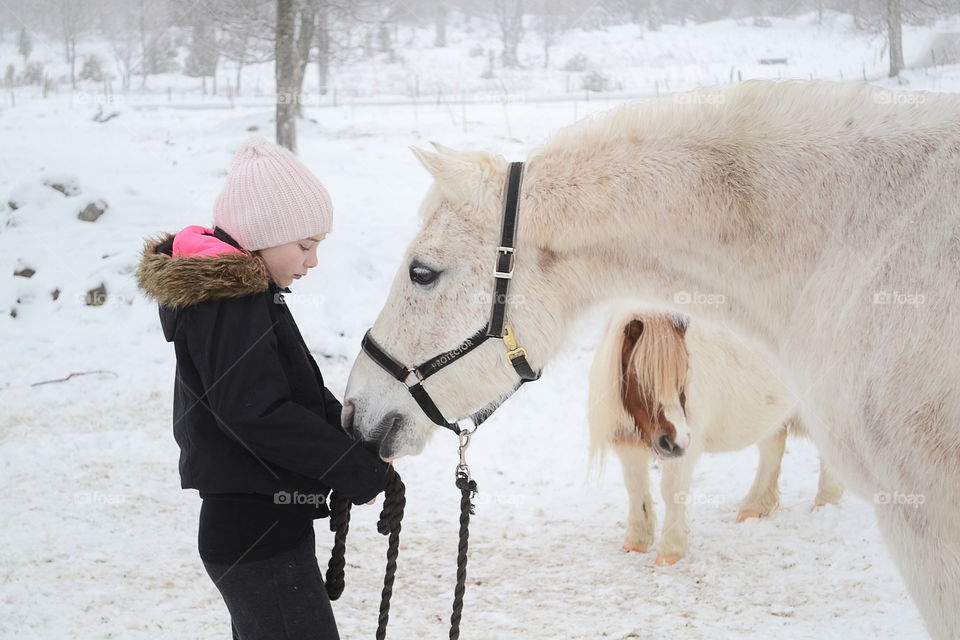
x,y
925,545
677,475
764,495
829,490
641,519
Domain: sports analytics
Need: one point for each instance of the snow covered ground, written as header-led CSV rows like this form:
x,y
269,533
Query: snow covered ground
x,y
100,542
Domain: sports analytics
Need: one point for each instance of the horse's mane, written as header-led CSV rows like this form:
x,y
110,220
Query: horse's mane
x,y
659,359
753,110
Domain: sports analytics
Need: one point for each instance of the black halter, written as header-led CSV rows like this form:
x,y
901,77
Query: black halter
x,y
413,377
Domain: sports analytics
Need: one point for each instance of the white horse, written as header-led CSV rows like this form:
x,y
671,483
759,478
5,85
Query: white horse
x,y
657,380
818,220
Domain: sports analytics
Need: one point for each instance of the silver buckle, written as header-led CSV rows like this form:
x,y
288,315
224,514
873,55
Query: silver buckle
x,y
505,274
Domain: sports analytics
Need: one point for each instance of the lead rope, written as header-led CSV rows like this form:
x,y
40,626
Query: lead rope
x,y
389,525
468,489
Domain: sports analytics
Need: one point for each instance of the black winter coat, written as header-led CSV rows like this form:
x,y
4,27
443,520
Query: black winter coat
x,y
251,413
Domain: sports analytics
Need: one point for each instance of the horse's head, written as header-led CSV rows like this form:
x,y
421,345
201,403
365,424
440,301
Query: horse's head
x,y
653,370
441,296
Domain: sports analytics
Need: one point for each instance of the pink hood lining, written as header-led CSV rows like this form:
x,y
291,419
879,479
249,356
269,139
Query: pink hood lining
x,y
197,240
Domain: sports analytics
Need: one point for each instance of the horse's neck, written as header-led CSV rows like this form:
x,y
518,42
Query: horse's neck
x,y
708,255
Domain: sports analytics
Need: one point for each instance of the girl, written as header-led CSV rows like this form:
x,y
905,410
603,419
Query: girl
x,y
258,431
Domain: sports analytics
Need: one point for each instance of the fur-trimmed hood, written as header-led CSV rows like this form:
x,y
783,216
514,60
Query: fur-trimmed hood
x,y
189,279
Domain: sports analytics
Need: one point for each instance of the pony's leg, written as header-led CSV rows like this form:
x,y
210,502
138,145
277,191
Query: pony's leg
x,y
764,495
925,545
829,490
641,518
677,476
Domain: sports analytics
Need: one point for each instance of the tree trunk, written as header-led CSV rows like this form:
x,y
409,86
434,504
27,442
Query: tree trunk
x,y
895,36
143,47
323,47
72,59
511,27
240,58
304,44
286,72
440,16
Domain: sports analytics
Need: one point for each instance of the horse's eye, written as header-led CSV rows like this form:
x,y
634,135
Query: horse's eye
x,y
420,274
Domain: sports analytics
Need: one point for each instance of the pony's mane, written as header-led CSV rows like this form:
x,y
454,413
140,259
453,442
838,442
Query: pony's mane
x,y
659,359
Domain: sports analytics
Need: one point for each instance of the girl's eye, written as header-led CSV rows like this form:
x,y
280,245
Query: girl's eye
x,y
305,248
420,274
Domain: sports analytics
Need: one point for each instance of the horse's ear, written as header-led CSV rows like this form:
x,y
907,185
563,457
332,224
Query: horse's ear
x,y
430,160
461,176
442,149
680,323
633,329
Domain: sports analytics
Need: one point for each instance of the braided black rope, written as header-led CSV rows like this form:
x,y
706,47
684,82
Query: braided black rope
x,y
468,488
389,525
340,525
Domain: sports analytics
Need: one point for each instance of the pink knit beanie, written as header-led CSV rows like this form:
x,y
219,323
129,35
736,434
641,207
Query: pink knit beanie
x,y
271,198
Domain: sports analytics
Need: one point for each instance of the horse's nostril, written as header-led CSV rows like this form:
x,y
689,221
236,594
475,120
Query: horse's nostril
x,y
666,444
667,448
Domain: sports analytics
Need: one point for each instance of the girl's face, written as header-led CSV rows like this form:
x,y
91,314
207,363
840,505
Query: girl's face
x,y
291,261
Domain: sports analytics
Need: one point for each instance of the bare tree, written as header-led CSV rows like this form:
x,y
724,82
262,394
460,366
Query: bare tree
x,y
24,43
895,36
73,21
440,22
204,53
509,15
118,24
304,42
286,74
248,31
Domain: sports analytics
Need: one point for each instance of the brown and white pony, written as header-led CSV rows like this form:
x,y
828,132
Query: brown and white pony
x,y
657,380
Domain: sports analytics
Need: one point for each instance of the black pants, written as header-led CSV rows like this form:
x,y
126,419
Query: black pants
x,y
277,598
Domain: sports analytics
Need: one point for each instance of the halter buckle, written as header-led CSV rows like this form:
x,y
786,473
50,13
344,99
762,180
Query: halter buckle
x,y
505,274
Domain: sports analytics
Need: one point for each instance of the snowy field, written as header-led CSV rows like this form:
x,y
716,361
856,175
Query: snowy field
x,y
100,542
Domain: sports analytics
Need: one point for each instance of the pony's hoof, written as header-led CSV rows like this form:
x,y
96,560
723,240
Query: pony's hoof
x,y
634,546
746,514
667,558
